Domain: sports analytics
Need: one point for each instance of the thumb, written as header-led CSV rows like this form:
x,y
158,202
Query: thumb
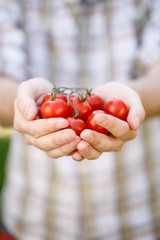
x,y
27,106
30,111
27,94
135,117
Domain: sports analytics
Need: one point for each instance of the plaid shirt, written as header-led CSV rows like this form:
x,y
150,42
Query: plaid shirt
x,y
83,43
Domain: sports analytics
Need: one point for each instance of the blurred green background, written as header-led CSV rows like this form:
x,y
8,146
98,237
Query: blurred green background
x,y
5,134
4,145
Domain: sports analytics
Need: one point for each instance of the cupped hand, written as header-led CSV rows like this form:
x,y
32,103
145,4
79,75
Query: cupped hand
x,y
93,144
48,135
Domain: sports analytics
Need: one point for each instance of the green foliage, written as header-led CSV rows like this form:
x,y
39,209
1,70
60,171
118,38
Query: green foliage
x,y
4,144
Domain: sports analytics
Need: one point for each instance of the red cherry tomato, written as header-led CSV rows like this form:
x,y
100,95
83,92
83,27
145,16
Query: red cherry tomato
x,y
71,95
78,125
95,102
117,108
83,108
55,108
91,124
47,97
61,96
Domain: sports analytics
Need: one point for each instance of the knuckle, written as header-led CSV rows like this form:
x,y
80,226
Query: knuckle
x,y
16,126
37,143
51,154
43,145
94,157
119,146
102,147
118,149
133,135
65,151
123,132
91,154
26,141
31,131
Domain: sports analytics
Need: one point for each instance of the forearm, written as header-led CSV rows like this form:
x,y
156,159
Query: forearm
x,y
8,87
148,88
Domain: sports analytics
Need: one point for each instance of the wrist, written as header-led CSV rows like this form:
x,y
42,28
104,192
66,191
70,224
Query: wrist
x,y
148,88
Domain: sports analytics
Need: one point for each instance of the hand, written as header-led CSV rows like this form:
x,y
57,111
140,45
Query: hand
x,y
45,134
93,144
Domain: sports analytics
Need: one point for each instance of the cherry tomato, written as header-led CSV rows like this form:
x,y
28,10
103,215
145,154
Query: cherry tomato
x,y
55,108
77,124
91,124
61,96
71,95
117,108
95,102
83,108
47,97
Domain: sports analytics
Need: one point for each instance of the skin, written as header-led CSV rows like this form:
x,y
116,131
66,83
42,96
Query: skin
x,y
148,87
41,133
93,144
8,89
50,136
145,105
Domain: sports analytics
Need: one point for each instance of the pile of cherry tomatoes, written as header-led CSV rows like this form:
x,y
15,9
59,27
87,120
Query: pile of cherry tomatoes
x,y
79,106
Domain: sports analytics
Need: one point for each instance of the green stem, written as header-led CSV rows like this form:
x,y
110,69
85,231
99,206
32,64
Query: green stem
x,y
76,113
89,91
53,96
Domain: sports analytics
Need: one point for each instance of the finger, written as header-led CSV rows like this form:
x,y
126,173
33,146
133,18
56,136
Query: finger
x,y
135,117
64,150
129,96
136,113
102,142
118,128
52,140
28,93
77,156
87,151
39,127
27,107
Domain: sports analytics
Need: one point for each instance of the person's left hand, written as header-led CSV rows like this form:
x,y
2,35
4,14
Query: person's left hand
x,y
93,144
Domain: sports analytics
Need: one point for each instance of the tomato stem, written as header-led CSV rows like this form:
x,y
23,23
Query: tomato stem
x,y
89,91
76,113
53,96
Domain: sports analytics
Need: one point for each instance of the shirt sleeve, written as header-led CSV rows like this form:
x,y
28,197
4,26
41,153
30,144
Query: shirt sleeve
x,y
12,41
149,52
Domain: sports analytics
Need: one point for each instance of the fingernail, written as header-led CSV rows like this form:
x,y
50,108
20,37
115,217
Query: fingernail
x,y
79,158
29,113
61,125
101,121
137,121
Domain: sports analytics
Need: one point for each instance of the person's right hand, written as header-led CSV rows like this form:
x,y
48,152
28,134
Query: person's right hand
x,y
93,144
48,135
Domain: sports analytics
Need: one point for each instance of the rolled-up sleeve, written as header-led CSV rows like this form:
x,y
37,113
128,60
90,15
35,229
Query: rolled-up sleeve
x,y
12,41
149,52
